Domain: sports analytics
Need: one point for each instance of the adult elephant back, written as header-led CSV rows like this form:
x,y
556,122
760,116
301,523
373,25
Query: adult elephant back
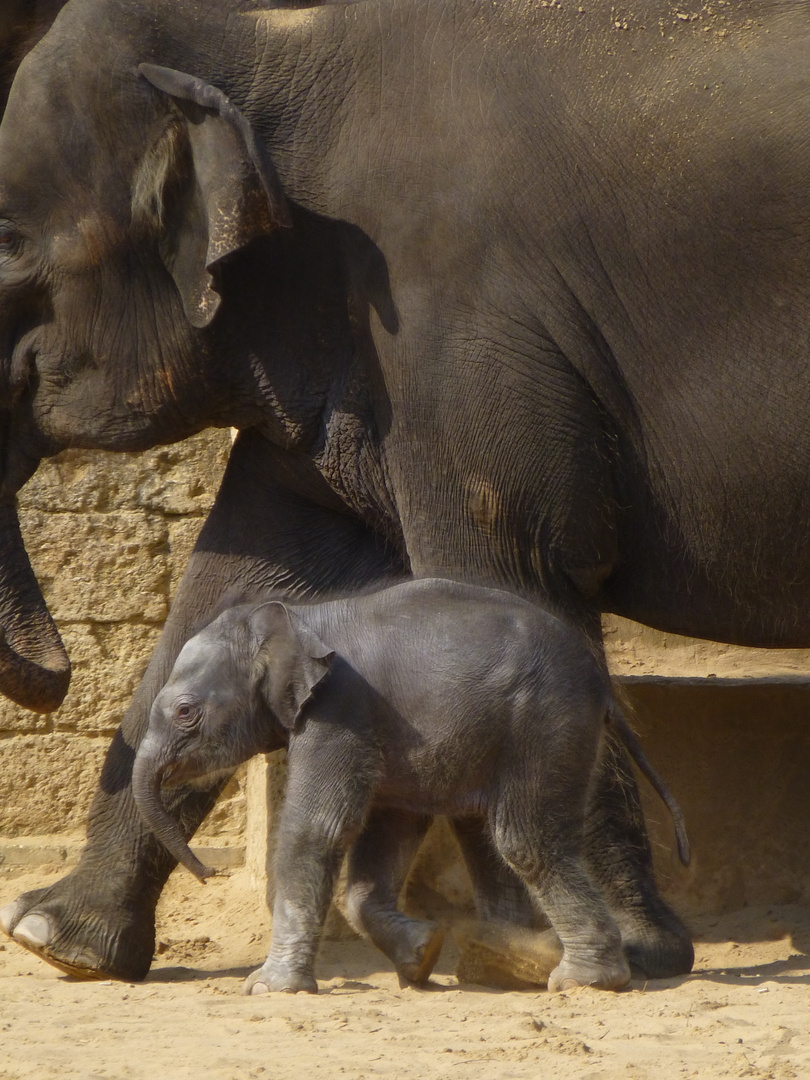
x,y
510,293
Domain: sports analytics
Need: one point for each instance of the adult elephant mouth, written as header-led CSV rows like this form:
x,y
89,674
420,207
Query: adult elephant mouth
x,y
34,666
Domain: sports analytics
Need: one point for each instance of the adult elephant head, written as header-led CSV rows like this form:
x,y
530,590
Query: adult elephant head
x,y
98,342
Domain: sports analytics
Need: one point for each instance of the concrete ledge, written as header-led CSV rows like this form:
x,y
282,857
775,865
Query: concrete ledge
x,y
32,851
708,681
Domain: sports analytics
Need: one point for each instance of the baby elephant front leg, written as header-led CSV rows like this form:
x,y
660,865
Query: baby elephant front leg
x,y
308,863
328,792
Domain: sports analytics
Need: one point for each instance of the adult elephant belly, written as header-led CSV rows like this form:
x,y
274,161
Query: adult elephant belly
x,y
715,537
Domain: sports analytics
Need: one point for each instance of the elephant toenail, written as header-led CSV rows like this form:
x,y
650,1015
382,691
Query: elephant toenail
x,y
33,930
258,988
7,914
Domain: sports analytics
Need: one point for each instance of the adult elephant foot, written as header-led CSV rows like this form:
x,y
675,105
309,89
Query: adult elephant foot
x,y
82,931
655,940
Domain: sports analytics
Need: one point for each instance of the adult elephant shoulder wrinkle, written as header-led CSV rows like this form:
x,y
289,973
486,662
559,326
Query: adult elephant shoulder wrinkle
x,y
542,324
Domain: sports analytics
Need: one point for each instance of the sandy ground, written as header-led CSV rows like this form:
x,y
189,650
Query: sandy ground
x,y
745,1011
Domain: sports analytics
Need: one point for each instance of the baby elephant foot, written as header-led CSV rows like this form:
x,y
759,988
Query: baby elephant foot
x,y
609,975
421,956
265,980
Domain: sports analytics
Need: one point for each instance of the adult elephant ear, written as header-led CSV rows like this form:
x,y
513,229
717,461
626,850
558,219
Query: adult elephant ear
x,y
208,185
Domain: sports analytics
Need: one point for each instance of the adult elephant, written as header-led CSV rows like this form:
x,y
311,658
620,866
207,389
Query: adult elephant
x,y
507,292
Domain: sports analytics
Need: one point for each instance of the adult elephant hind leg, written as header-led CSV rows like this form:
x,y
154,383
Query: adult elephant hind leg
x,y
98,922
619,858
379,862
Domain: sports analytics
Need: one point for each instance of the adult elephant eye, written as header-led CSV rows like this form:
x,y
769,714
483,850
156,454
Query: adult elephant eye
x,y
9,241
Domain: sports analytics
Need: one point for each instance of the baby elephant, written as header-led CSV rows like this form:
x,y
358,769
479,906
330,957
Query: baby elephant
x,y
429,697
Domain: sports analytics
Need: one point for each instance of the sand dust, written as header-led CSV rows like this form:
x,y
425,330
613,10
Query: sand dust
x,y
743,1013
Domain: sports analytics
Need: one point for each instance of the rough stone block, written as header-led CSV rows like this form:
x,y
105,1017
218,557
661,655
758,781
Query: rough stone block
x,y
109,536
108,663
266,782
226,822
47,782
182,478
100,567
21,721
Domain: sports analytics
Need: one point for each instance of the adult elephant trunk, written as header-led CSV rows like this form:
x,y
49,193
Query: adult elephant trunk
x,y
34,667
151,763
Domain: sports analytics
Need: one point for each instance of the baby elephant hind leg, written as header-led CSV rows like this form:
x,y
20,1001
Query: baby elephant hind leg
x,y
378,867
545,850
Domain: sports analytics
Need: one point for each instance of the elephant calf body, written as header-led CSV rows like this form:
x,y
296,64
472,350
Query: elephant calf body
x,y
430,697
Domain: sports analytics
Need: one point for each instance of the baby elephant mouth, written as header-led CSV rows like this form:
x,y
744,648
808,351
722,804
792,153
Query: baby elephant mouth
x,y
171,776
179,772
192,774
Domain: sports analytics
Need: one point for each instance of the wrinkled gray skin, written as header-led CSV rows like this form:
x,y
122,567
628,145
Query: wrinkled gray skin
x,y
430,697
500,292
34,667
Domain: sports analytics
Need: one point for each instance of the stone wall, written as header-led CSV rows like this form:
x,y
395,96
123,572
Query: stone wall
x,y
109,536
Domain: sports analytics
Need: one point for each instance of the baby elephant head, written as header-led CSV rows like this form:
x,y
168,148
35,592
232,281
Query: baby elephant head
x,y
237,689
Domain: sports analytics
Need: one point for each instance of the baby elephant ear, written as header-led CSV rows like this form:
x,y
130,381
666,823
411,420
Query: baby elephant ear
x,y
231,195
291,661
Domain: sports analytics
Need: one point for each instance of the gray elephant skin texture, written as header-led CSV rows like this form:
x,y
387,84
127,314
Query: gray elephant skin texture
x,y
504,293
428,697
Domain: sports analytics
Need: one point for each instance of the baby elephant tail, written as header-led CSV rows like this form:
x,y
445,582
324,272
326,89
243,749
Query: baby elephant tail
x,y
630,739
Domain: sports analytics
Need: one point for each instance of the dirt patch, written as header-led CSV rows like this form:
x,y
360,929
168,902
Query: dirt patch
x,y
743,1013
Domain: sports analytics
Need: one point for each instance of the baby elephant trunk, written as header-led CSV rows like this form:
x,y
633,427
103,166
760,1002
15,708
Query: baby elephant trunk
x,y
147,773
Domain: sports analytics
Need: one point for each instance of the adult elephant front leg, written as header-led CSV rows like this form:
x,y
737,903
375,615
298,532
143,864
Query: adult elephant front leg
x,y
274,524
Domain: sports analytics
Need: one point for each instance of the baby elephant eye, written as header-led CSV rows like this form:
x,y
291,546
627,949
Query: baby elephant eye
x,y
187,713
